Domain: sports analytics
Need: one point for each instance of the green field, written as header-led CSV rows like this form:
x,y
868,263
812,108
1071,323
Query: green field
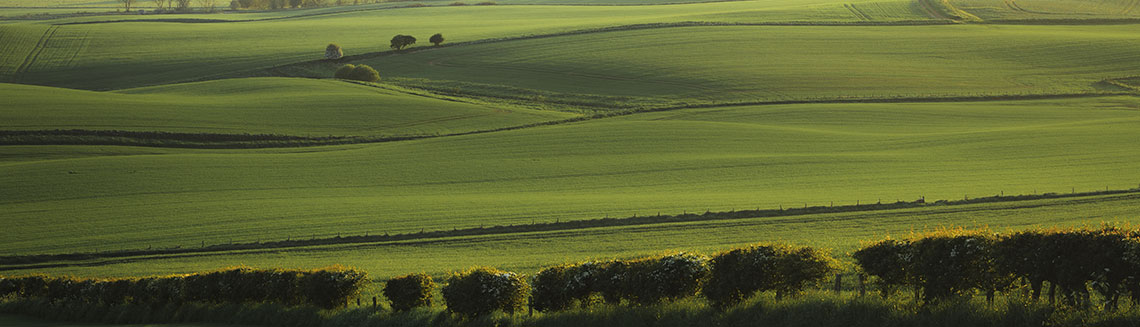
x,y
719,159
541,111
259,106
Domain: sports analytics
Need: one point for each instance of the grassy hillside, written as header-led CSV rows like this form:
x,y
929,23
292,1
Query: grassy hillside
x,y
1050,9
690,160
165,52
301,107
741,64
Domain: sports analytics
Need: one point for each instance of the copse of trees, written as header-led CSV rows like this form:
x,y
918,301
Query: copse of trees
x,y
436,39
399,42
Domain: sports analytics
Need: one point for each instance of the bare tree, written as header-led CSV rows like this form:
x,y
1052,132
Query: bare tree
x,y
182,4
161,4
208,5
127,4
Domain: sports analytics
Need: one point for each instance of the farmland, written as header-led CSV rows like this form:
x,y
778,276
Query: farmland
x,y
196,129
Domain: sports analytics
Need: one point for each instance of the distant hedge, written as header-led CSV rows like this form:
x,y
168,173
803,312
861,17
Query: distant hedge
x,y
326,288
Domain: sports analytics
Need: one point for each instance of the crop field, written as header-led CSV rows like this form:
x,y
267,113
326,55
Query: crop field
x,y
548,131
258,106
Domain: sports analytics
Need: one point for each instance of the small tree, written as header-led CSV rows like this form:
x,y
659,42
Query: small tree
x,y
333,52
161,4
127,4
182,5
399,42
436,39
208,5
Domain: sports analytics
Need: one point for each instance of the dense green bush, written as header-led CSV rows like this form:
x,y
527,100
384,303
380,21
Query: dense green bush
x,y
410,291
331,287
666,277
480,291
954,263
561,287
344,72
740,273
357,73
890,261
364,73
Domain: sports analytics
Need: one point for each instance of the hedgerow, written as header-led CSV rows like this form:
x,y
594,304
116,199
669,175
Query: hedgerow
x,y
480,291
740,273
1075,262
326,288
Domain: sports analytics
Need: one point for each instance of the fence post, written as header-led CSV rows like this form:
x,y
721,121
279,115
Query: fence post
x,y
374,304
862,285
838,283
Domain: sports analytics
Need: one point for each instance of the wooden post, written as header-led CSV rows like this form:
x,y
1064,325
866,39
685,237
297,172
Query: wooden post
x,y
862,285
375,305
358,301
838,283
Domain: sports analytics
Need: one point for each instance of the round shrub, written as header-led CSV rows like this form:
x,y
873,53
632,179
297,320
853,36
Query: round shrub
x,y
560,287
667,277
410,291
798,268
482,290
331,287
344,72
364,73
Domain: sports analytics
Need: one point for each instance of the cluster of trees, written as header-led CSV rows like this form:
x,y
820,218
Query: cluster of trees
x,y
172,5
400,41
1074,262
327,288
285,4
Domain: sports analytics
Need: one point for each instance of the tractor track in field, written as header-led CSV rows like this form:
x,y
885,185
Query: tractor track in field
x,y
545,231
39,48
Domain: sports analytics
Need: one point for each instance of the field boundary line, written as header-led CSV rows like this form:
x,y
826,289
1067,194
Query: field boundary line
x,y
22,262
